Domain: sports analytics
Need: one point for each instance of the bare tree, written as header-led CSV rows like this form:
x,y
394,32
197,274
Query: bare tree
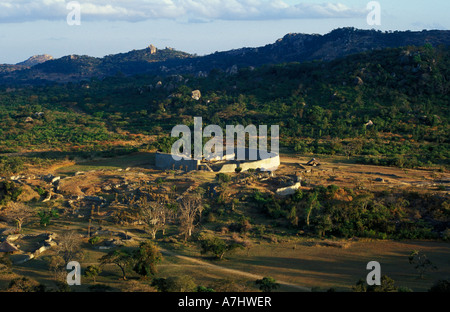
x,y
57,266
19,213
421,262
190,207
69,246
154,214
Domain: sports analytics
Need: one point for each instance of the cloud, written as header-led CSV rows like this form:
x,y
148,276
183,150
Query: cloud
x,y
194,10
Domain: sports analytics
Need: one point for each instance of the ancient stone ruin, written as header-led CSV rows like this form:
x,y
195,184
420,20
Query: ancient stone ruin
x,y
225,164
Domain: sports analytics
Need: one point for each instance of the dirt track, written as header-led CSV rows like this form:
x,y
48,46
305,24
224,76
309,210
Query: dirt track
x,y
231,271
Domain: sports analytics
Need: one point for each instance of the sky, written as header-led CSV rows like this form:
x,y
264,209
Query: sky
x,y
32,27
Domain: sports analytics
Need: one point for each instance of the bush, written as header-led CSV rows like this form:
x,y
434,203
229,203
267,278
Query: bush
x,y
9,192
204,289
267,284
217,246
94,240
183,283
441,286
223,178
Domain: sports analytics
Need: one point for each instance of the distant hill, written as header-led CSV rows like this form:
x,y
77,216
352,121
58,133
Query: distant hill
x,y
36,59
291,48
338,43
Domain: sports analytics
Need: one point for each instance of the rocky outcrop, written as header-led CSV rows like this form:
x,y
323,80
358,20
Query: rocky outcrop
x,y
196,95
152,49
36,59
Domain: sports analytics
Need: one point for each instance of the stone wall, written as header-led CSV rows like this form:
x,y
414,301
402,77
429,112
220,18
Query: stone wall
x,y
165,161
228,168
265,164
268,164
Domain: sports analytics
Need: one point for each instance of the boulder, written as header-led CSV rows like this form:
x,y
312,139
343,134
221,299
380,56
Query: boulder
x,y
196,95
40,250
358,81
286,191
14,237
152,49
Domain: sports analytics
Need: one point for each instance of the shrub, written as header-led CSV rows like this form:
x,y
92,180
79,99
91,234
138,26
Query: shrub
x,y
183,283
217,246
223,178
441,286
94,240
267,284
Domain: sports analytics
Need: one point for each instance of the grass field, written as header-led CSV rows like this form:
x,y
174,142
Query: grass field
x,y
296,262
308,265
121,162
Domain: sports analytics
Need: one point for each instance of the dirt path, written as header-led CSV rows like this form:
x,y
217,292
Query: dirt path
x,y
230,271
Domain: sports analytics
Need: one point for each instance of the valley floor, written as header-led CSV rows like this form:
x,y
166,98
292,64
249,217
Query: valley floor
x,y
297,263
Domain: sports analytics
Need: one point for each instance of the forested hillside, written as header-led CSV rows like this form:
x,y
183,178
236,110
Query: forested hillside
x,y
385,107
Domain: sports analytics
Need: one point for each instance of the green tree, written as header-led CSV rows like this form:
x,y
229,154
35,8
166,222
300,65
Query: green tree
x,y
93,271
146,258
120,257
387,285
46,216
267,284
217,246
313,203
